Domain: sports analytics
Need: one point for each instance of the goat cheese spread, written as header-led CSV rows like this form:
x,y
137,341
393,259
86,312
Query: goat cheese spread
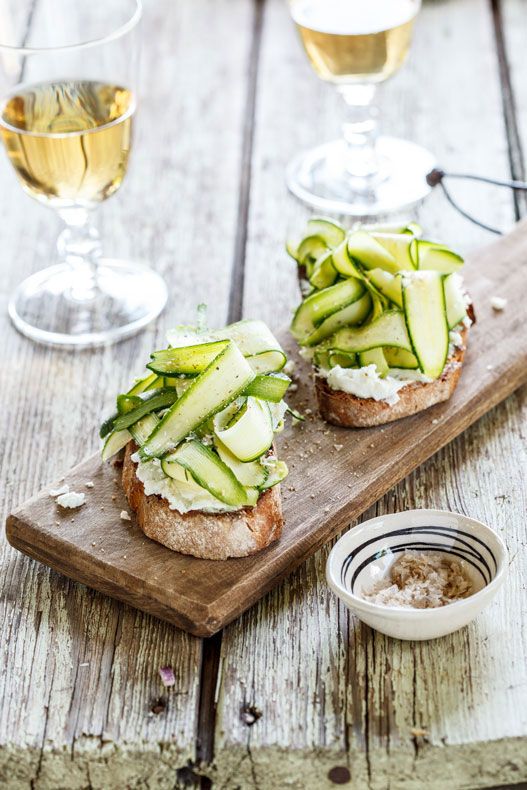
x,y
366,383
180,495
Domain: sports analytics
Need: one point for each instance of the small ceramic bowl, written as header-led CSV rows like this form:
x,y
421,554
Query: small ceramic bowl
x,y
364,554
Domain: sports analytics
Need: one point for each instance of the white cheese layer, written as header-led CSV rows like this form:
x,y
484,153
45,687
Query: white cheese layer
x,y
179,495
366,383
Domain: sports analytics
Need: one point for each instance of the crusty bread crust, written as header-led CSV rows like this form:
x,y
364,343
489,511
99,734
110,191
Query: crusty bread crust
x,y
212,536
349,411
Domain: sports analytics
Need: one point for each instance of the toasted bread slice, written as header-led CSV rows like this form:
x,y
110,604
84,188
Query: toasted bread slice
x,y
212,536
349,411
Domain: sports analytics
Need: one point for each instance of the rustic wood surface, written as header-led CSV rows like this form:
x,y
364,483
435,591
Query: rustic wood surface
x,y
335,475
82,704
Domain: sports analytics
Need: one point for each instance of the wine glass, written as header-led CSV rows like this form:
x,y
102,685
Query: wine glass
x,y
68,82
355,45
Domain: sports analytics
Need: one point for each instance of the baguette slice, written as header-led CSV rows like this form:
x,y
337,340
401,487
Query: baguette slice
x,y
349,411
211,536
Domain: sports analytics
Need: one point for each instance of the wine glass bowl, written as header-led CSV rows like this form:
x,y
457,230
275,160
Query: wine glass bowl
x,y
355,45
66,121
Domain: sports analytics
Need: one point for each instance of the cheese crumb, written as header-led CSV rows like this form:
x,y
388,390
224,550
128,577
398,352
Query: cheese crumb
x,y
125,516
71,499
55,492
498,303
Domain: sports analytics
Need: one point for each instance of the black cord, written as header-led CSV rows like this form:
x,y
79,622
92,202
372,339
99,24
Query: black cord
x,y
466,214
436,177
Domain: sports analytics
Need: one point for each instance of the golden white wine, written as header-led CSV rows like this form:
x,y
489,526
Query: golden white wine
x,y
69,141
355,41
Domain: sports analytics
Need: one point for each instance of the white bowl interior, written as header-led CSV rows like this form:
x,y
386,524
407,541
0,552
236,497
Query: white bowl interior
x,y
364,555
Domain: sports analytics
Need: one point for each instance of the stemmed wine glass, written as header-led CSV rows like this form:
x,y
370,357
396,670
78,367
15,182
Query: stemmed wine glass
x,y
355,45
68,89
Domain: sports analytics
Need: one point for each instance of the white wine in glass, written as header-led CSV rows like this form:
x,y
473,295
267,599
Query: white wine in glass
x,y
68,91
69,142
354,45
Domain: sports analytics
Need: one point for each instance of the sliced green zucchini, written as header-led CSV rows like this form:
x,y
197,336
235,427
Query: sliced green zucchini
x,y
148,402
291,247
126,403
115,442
456,309
320,305
219,384
363,248
393,227
107,426
269,387
387,330
209,472
437,257
179,474
399,358
352,314
278,471
311,249
250,433
271,361
425,310
256,342
414,228
345,265
321,358
142,429
388,284
324,273
399,246
375,357
185,360
335,358
331,232
252,474
148,382
379,305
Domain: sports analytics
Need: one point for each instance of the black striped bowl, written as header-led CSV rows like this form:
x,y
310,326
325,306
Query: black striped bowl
x,y
364,554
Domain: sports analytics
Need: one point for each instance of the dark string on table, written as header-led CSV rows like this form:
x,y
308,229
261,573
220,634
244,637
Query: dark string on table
x,y
436,177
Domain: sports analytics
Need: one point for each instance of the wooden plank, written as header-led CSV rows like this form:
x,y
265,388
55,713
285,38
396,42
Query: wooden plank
x,y
79,671
344,472
512,25
333,694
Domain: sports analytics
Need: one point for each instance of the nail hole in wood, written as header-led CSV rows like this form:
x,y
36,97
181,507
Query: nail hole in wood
x,y
339,775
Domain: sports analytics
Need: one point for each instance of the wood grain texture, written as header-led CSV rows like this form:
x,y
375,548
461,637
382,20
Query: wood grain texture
x,y
79,672
335,474
331,693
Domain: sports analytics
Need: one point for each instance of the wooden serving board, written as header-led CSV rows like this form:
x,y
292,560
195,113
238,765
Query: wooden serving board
x,y
335,474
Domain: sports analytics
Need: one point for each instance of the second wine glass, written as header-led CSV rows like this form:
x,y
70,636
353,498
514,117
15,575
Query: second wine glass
x,y
355,45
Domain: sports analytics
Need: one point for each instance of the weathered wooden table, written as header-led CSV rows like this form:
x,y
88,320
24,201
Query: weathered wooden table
x,y
296,693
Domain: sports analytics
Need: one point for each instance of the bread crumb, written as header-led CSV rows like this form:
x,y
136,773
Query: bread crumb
x,y
490,367
89,484
124,516
435,421
418,732
498,303
421,580
338,446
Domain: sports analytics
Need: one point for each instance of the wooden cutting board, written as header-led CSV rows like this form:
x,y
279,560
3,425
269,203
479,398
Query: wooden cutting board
x,y
335,474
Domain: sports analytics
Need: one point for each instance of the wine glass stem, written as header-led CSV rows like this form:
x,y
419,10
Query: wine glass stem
x,y
79,246
360,130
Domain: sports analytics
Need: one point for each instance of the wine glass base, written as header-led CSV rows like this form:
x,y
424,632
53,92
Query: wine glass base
x,y
129,295
318,178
